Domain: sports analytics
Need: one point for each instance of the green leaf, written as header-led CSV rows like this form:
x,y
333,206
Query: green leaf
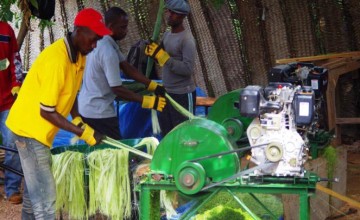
x,y
5,13
45,24
34,3
217,3
9,16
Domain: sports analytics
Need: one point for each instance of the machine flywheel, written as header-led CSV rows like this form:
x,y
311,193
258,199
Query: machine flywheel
x,y
190,177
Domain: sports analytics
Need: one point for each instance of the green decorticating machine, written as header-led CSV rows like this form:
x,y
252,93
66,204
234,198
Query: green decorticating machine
x,y
200,157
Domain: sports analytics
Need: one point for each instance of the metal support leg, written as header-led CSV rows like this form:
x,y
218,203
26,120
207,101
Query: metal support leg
x,y
144,203
149,204
304,205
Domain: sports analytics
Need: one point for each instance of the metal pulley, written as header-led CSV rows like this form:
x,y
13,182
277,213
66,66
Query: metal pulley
x,y
234,127
190,178
274,152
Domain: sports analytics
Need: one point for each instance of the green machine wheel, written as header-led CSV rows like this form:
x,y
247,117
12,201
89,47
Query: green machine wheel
x,y
234,127
181,153
190,178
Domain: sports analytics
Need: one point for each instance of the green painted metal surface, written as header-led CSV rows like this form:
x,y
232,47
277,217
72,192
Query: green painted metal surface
x,y
304,187
84,148
190,177
194,139
176,161
225,111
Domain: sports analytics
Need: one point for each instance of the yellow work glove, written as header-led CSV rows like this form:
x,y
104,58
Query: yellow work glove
x,y
15,90
155,102
158,89
77,121
157,52
90,136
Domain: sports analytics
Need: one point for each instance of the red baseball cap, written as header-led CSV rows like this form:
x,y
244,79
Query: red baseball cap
x,y
92,19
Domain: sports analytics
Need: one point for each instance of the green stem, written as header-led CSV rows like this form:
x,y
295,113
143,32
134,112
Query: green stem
x,y
123,146
155,35
179,108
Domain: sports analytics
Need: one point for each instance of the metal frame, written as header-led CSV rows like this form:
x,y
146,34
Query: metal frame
x,y
2,165
304,187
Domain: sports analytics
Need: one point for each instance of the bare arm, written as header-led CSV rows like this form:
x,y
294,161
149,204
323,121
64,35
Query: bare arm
x,y
126,94
132,72
74,112
58,120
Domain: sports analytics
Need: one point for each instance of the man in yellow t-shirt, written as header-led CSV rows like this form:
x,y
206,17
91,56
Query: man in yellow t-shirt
x,y
46,98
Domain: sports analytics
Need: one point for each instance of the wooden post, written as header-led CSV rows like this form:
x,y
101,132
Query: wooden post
x,y
334,73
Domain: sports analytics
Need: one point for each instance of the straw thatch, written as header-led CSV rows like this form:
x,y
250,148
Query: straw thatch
x,y
276,34
237,42
352,15
253,39
332,31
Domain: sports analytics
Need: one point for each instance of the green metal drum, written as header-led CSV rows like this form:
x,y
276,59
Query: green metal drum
x,y
225,111
178,152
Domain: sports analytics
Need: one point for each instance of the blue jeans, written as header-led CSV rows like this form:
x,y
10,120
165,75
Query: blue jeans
x,y
12,180
40,192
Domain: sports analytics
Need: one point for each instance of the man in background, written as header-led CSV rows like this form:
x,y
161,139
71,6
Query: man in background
x,y
176,56
10,82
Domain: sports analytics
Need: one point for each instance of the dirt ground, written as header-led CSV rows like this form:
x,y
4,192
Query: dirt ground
x,y
353,183
13,212
7,210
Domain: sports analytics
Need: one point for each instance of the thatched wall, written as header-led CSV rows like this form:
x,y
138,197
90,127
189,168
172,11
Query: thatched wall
x,y
237,42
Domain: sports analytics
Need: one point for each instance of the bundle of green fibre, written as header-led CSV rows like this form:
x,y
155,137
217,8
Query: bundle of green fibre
x,y
179,108
166,202
109,185
155,122
68,171
151,144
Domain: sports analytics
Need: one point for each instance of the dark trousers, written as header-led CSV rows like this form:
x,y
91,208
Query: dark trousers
x,y
106,126
170,117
